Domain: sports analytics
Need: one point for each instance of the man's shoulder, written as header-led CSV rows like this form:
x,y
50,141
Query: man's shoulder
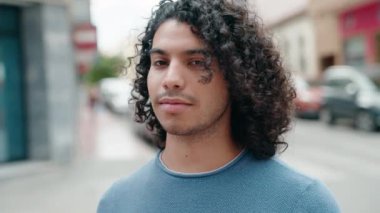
x,y
309,193
289,174
276,171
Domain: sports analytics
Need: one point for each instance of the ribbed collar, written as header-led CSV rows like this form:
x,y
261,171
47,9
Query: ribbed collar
x,y
163,167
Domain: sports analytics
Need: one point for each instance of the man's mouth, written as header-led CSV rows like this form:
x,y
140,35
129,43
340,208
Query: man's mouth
x,y
173,105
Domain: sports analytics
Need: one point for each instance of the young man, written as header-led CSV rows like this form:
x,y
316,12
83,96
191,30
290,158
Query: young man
x,y
211,85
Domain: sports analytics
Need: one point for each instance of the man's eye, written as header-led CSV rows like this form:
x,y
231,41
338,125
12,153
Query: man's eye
x,y
200,63
159,63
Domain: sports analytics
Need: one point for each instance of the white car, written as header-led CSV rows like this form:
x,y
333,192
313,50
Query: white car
x,y
115,94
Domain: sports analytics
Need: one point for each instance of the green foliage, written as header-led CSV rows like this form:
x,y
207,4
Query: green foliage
x,y
105,67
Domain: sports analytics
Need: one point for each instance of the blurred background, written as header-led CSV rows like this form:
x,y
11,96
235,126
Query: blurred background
x,y
66,130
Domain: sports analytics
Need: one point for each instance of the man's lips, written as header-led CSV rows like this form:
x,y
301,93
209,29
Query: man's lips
x,y
173,101
173,105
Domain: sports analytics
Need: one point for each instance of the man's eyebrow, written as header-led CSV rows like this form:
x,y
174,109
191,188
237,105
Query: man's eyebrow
x,y
157,51
202,51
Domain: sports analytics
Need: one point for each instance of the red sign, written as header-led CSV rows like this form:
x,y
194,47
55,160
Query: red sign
x,y
85,41
85,36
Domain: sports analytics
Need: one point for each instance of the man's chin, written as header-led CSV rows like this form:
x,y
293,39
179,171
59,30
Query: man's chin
x,y
179,131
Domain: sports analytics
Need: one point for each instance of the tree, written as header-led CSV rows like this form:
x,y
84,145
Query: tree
x,y
105,67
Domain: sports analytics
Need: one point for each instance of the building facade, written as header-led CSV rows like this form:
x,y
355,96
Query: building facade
x,y
294,32
360,32
335,32
296,39
330,38
38,81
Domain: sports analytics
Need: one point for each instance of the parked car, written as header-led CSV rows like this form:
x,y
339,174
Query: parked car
x,y
352,93
308,100
115,93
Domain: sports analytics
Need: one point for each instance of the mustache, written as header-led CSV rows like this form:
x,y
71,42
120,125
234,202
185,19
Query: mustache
x,y
175,94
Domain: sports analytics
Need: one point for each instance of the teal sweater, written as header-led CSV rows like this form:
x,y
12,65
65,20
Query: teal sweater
x,y
243,185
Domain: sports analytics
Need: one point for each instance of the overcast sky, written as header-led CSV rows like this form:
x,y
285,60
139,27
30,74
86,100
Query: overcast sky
x,y
116,19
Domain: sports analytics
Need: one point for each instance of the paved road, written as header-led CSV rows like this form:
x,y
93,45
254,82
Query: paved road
x,y
347,160
107,150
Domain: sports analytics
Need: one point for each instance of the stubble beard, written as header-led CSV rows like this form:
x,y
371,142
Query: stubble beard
x,y
204,127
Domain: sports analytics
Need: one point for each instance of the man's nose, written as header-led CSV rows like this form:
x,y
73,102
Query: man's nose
x,y
174,79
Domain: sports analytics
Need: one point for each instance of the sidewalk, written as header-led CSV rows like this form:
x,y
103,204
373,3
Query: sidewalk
x,y
107,151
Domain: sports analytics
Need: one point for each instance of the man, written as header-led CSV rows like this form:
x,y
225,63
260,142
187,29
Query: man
x,y
211,86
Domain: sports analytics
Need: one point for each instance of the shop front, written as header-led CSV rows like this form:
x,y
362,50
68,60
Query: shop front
x,y
360,31
13,144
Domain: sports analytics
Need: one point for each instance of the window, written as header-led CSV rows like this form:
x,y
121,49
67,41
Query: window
x,y
339,83
354,51
350,21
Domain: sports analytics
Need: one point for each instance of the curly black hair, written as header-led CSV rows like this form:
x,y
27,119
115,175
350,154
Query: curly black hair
x,y
261,91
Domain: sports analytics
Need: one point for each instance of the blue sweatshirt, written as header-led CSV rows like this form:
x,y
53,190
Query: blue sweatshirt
x,y
243,185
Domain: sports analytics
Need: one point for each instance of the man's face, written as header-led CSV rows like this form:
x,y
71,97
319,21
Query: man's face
x,y
182,103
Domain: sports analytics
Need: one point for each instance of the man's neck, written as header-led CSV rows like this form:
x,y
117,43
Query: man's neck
x,y
194,154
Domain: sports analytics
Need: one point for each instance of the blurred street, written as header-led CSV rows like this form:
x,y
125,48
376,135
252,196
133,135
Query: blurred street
x,y
58,155
107,151
345,159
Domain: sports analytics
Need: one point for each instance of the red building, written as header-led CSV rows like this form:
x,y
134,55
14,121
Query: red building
x,y
360,31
